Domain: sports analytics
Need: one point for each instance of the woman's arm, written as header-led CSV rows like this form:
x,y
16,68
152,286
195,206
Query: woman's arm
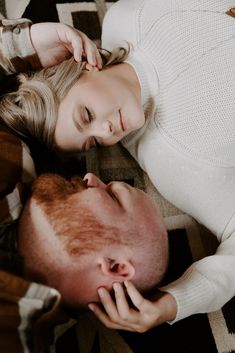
x,y
26,46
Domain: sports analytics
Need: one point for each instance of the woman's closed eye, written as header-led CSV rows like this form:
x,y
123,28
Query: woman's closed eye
x,y
89,117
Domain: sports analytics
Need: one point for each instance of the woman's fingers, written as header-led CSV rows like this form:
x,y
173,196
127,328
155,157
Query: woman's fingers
x,y
79,45
137,299
91,52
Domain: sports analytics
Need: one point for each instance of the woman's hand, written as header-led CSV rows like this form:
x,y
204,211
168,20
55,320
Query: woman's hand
x,y
55,42
141,316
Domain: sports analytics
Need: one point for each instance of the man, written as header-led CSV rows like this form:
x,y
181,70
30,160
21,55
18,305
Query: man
x,y
78,236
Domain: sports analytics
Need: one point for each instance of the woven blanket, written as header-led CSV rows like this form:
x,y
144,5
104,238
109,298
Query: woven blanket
x,y
189,241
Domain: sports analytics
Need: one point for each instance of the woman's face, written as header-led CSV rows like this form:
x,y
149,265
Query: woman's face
x,y
101,108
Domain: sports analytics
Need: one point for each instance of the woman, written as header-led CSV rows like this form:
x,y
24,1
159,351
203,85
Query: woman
x,y
170,102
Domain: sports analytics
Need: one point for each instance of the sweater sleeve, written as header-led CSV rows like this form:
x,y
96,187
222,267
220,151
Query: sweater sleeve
x,y
16,50
208,283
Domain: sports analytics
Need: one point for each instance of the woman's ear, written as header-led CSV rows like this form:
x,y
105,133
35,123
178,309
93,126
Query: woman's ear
x,y
90,68
119,270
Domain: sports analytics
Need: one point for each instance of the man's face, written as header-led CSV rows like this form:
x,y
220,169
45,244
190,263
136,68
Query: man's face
x,y
116,204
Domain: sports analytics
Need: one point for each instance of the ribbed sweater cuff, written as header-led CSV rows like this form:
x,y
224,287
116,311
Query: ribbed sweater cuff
x,y
192,292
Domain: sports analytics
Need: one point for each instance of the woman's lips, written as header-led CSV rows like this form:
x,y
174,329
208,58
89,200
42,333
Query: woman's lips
x,y
122,125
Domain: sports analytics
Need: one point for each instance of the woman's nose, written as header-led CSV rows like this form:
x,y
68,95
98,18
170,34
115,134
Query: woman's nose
x,y
93,181
103,129
107,128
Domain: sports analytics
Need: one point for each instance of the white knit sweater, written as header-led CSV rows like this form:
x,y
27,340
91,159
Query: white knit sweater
x,y
184,56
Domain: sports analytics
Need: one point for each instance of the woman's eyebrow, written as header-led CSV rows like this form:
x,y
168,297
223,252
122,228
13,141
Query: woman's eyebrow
x,y
74,118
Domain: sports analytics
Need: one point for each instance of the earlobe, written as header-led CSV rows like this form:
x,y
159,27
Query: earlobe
x,y
119,270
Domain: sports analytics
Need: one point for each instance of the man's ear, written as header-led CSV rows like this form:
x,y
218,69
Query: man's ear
x,y
90,68
119,270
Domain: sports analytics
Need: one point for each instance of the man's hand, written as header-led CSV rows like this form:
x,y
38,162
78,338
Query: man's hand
x,y
55,42
145,314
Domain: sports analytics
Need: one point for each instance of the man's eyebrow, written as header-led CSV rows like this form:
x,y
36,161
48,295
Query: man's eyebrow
x,y
83,149
84,146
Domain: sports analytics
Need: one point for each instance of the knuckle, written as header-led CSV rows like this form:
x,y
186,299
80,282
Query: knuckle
x,y
114,319
124,316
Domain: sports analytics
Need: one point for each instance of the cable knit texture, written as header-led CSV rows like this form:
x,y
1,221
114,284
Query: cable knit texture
x,y
183,54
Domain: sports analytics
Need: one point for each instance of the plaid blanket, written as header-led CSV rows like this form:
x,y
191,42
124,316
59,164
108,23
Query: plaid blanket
x,y
29,322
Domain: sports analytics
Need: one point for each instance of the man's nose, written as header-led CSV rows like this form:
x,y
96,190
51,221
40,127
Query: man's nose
x,y
93,181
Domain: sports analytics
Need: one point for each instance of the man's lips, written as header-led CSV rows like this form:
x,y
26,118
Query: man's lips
x,y
122,122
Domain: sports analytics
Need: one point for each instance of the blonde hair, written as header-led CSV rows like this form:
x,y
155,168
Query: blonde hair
x,y
31,111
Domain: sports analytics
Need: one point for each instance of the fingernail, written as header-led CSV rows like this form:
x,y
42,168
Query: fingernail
x,y
126,283
101,292
115,286
93,62
90,306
